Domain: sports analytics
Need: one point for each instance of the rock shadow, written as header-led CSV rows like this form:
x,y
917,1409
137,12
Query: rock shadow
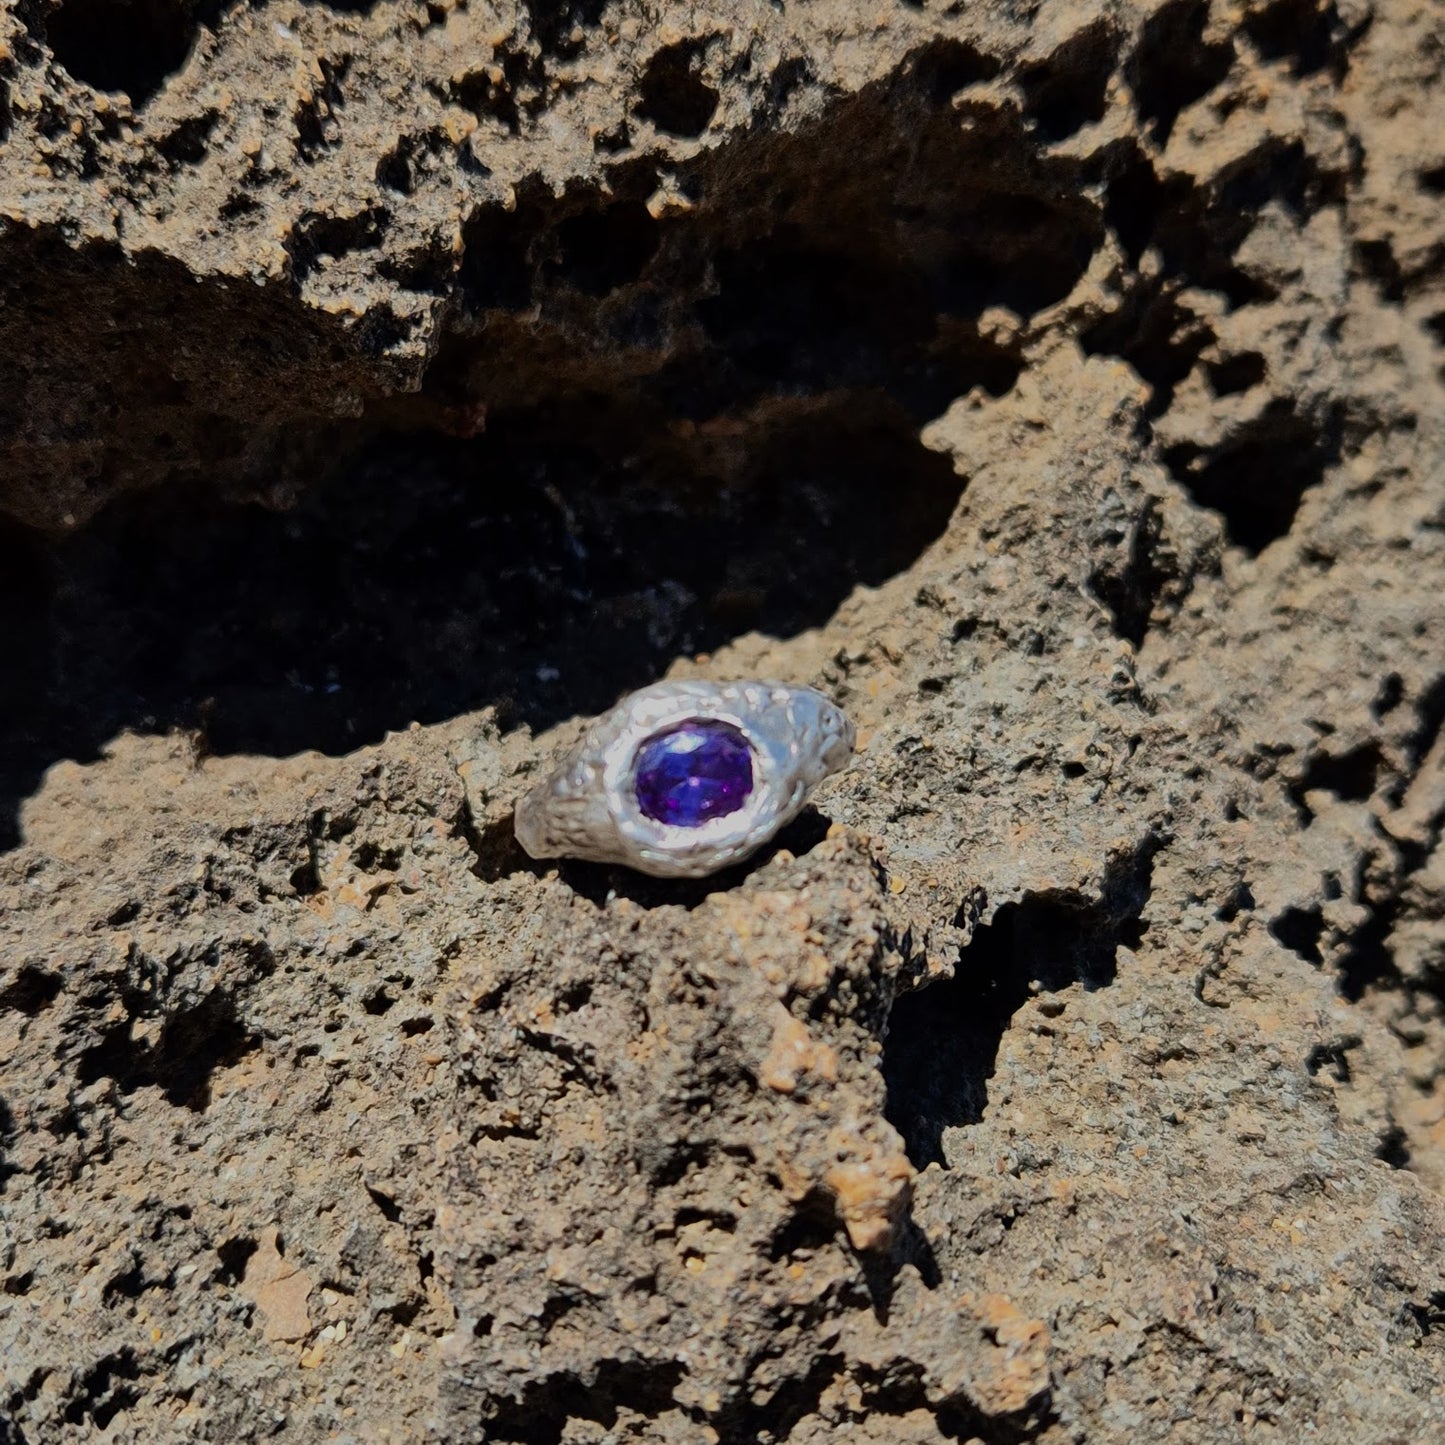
x,y
942,1044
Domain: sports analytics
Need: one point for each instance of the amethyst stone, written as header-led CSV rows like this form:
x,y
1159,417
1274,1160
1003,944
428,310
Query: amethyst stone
x,y
694,772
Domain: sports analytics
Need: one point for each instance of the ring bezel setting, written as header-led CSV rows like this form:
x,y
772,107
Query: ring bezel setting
x,y
589,808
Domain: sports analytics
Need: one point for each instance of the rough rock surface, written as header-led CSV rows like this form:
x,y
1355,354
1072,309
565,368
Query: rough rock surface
x,y
1061,388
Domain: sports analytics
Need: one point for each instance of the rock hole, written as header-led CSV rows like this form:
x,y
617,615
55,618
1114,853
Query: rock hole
x,y
713,1218
192,1044
1299,929
1256,479
1132,574
1173,66
1378,263
132,46
541,1414
1307,33
945,67
674,95
316,118
17,1286
1334,1057
7,1137
797,317
234,1255
812,1226
1240,899
186,144
1430,720
496,272
378,1002
373,857
318,238
639,470
390,1209
394,168
1425,1318
599,251
105,1390
775,1411
503,99
31,992
5,116
1393,1148
558,26
1235,374
1351,776
1389,697
375,602
942,1043
1433,180
1070,89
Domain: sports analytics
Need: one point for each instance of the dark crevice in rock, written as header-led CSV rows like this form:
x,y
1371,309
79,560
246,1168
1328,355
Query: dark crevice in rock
x,y
945,67
376,603
1135,570
1430,715
1367,960
234,1255
1309,34
1394,1148
508,99
1235,374
555,24
316,118
32,991
318,238
1377,262
496,272
105,1390
542,1414
1333,1057
193,1042
125,45
599,251
1196,233
186,143
1069,89
942,1043
1389,697
674,96
1351,776
1425,1318
1173,66
779,1411
1299,929
1256,479
7,1138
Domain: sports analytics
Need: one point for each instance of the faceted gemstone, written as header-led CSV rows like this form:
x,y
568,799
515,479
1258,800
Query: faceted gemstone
x,y
694,772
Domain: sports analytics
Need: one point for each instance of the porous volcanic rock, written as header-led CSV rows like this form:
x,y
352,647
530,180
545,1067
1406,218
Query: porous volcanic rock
x,y
389,386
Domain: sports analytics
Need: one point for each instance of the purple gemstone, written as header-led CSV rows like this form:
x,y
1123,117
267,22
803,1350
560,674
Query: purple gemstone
x,y
693,772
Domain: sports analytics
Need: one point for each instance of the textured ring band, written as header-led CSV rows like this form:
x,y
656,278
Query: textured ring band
x,y
683,778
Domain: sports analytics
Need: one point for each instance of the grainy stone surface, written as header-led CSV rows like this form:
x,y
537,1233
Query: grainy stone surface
x,y
1068,387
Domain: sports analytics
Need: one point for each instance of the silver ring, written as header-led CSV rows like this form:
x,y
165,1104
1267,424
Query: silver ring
x,y
683,778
